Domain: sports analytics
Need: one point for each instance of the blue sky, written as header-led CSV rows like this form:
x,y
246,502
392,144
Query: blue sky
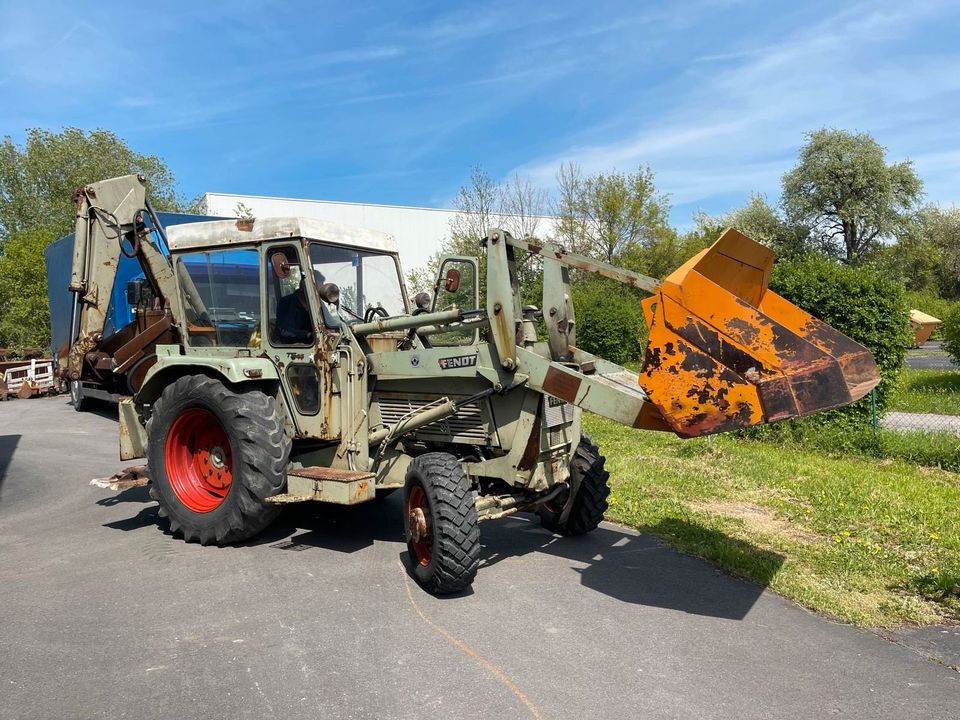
x,y
394,102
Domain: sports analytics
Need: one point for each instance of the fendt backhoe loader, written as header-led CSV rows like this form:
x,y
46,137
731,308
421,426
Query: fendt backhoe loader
x,y
286,364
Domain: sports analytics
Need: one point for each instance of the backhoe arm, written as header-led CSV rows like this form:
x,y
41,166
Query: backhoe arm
x,y
110,219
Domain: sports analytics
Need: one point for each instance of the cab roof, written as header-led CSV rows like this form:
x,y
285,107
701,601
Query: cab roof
x,y
219,233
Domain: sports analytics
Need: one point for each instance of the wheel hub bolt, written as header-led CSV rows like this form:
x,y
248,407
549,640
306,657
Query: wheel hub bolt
x,y
418,524
217,457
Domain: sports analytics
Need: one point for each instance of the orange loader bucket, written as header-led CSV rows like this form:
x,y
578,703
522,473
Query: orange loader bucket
x,y
726,353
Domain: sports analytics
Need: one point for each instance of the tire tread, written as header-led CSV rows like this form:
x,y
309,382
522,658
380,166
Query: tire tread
x,y
260,448
591,501
456,535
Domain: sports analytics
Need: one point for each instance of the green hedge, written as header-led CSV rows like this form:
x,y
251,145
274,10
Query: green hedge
x,y
950,332
609,320
860,302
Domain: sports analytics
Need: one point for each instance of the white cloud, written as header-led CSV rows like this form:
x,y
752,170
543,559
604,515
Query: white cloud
x,y
732,121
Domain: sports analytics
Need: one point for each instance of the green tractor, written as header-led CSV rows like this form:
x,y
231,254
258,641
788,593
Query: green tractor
x,y
280,360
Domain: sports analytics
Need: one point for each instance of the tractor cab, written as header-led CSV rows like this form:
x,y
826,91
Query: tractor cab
x,y
283,289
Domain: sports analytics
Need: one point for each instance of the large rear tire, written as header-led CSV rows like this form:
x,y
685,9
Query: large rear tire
x,y
215,454
591,501
441,525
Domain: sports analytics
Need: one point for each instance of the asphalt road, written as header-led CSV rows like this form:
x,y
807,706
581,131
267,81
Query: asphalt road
x,y
930,356
103,615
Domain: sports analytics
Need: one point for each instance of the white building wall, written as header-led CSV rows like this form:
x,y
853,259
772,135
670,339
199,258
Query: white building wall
x,y
418,231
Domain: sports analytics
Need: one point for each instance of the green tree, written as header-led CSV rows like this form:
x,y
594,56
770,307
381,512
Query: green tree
x,y
24,315
610,215
610,320
951,333
844,190
38,179
37,183
665,252
913,259
941,228
762,222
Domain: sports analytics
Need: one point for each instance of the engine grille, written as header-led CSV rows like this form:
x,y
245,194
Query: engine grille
x,y
557,412
470,425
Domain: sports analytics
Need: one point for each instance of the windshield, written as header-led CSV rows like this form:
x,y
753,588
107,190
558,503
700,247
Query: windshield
x,y
366,279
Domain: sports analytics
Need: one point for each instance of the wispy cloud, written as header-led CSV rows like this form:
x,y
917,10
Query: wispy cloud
x,y
718,131
394,103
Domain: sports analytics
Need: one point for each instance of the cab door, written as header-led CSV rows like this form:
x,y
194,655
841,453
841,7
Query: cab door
x,y
292,336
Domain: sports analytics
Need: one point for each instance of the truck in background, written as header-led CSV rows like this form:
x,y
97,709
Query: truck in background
x,y
58,258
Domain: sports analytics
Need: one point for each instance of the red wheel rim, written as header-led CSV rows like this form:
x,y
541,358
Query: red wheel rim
x,y
199,460
418,522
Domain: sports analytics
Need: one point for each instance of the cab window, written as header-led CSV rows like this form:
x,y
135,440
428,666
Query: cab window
x,y
221,297
289,321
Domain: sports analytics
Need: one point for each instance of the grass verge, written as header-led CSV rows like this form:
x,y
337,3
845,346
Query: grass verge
x,y
841,436
927,391
871,542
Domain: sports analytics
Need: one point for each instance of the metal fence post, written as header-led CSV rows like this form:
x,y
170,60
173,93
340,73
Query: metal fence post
x,y
873,412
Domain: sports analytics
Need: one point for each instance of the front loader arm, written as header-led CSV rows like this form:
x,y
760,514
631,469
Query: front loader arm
x,y
724,352
111,215
503,298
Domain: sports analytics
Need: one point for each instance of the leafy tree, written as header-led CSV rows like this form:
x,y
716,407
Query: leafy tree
x,y
37,183
950,330
610,215
423,277
38,179
24,315
941,228
665,252
926,257
760,221
848,195
913,259
610,319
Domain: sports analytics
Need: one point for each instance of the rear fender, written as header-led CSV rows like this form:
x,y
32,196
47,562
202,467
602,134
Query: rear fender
x,y
235,371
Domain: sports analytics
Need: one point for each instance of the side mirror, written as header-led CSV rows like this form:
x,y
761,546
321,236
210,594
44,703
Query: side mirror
x,y
451,282
280,265
457,285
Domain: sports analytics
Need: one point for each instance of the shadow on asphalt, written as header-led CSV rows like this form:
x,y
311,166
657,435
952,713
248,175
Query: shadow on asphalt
x,y
135,494
8,445
101,408
637,569
147,516
640,569
341,528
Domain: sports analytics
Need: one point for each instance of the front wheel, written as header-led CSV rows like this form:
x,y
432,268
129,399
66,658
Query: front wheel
x,y
590,503
441,525
76,395
215,455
